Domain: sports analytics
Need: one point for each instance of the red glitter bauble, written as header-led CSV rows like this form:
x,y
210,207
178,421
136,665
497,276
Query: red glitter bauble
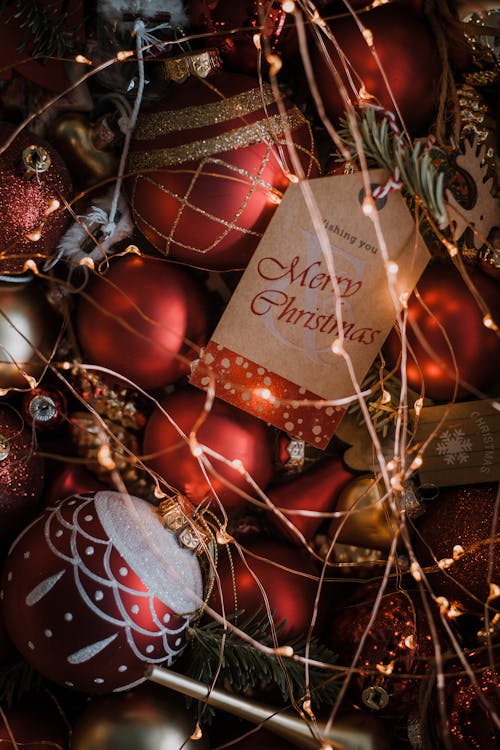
x,y
235,22
454,315
233,434
316,490
209,165
470,724
34,725
288,578
399,640
31,223
408,54
21,474
95,588
460,517
141,320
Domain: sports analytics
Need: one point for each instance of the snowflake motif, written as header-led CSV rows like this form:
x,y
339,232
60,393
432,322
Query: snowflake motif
x,y
454,447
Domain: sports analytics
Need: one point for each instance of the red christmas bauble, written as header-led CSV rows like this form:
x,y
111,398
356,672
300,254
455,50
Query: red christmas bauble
x,y
34,725
397,645
471,726
33,183
95,588
21,474
238,437
208,166
452,307
235,22
460,517
70,479
316,490
143,320
288,578
408,54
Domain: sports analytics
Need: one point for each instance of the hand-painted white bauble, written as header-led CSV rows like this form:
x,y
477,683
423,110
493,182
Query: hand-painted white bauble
x,y
94,588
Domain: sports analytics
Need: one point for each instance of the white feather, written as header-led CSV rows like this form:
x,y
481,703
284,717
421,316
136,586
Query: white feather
x,y
111,9
95,222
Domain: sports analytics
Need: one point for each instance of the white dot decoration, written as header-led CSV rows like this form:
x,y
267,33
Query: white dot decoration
x,y
134,609
69,684
88,517
89,550
178,641
225,362
122,668
9,576
68,616
31,645
150,649
98,680
166,618
27,555
98,596
289,426
123,571
48,633
59,533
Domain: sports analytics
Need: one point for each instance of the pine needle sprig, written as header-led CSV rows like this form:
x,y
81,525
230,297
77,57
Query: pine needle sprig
x,y
43,27
18,680
412,163
244,667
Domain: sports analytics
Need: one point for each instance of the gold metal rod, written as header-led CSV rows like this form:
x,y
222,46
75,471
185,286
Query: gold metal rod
x,y
361,732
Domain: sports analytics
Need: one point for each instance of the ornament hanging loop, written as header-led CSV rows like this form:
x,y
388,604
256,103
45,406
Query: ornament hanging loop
x,y
36,160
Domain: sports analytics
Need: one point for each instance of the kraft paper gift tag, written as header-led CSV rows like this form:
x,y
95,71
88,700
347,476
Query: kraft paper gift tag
x,y
271,352
466,446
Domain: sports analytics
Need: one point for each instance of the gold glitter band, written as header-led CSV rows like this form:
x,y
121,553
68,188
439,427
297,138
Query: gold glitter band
x,y
265,131
155,124
199,64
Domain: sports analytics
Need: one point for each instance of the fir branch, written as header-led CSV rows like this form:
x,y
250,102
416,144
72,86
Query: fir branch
x,y
384,147
244,667
42,26
18,680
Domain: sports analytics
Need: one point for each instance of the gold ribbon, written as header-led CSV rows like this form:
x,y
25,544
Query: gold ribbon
x,y
156,124
265,130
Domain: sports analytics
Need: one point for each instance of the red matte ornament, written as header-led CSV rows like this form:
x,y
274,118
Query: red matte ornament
x,y
144,320
316,490
408,54
289,579
235,435
455,316
209,165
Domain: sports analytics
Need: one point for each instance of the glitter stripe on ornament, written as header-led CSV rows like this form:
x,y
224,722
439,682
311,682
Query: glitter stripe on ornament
x,y
238,138
156,124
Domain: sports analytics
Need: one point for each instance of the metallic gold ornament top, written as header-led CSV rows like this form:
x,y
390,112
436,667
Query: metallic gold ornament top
x,y
154,124
248,135
36,159
179,516
199,64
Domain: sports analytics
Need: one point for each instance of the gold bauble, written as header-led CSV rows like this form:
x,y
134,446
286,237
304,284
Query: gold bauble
x,y
146,718
370,522
27,323
86,148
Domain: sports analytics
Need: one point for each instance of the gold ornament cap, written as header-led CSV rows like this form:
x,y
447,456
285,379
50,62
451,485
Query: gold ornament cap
x,y
198,64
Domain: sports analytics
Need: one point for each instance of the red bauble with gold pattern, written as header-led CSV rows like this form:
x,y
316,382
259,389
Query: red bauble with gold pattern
x,y
143,320
408,55
458,529
21,474
34,182
209,165
244,442
454,317
95,588
288,577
